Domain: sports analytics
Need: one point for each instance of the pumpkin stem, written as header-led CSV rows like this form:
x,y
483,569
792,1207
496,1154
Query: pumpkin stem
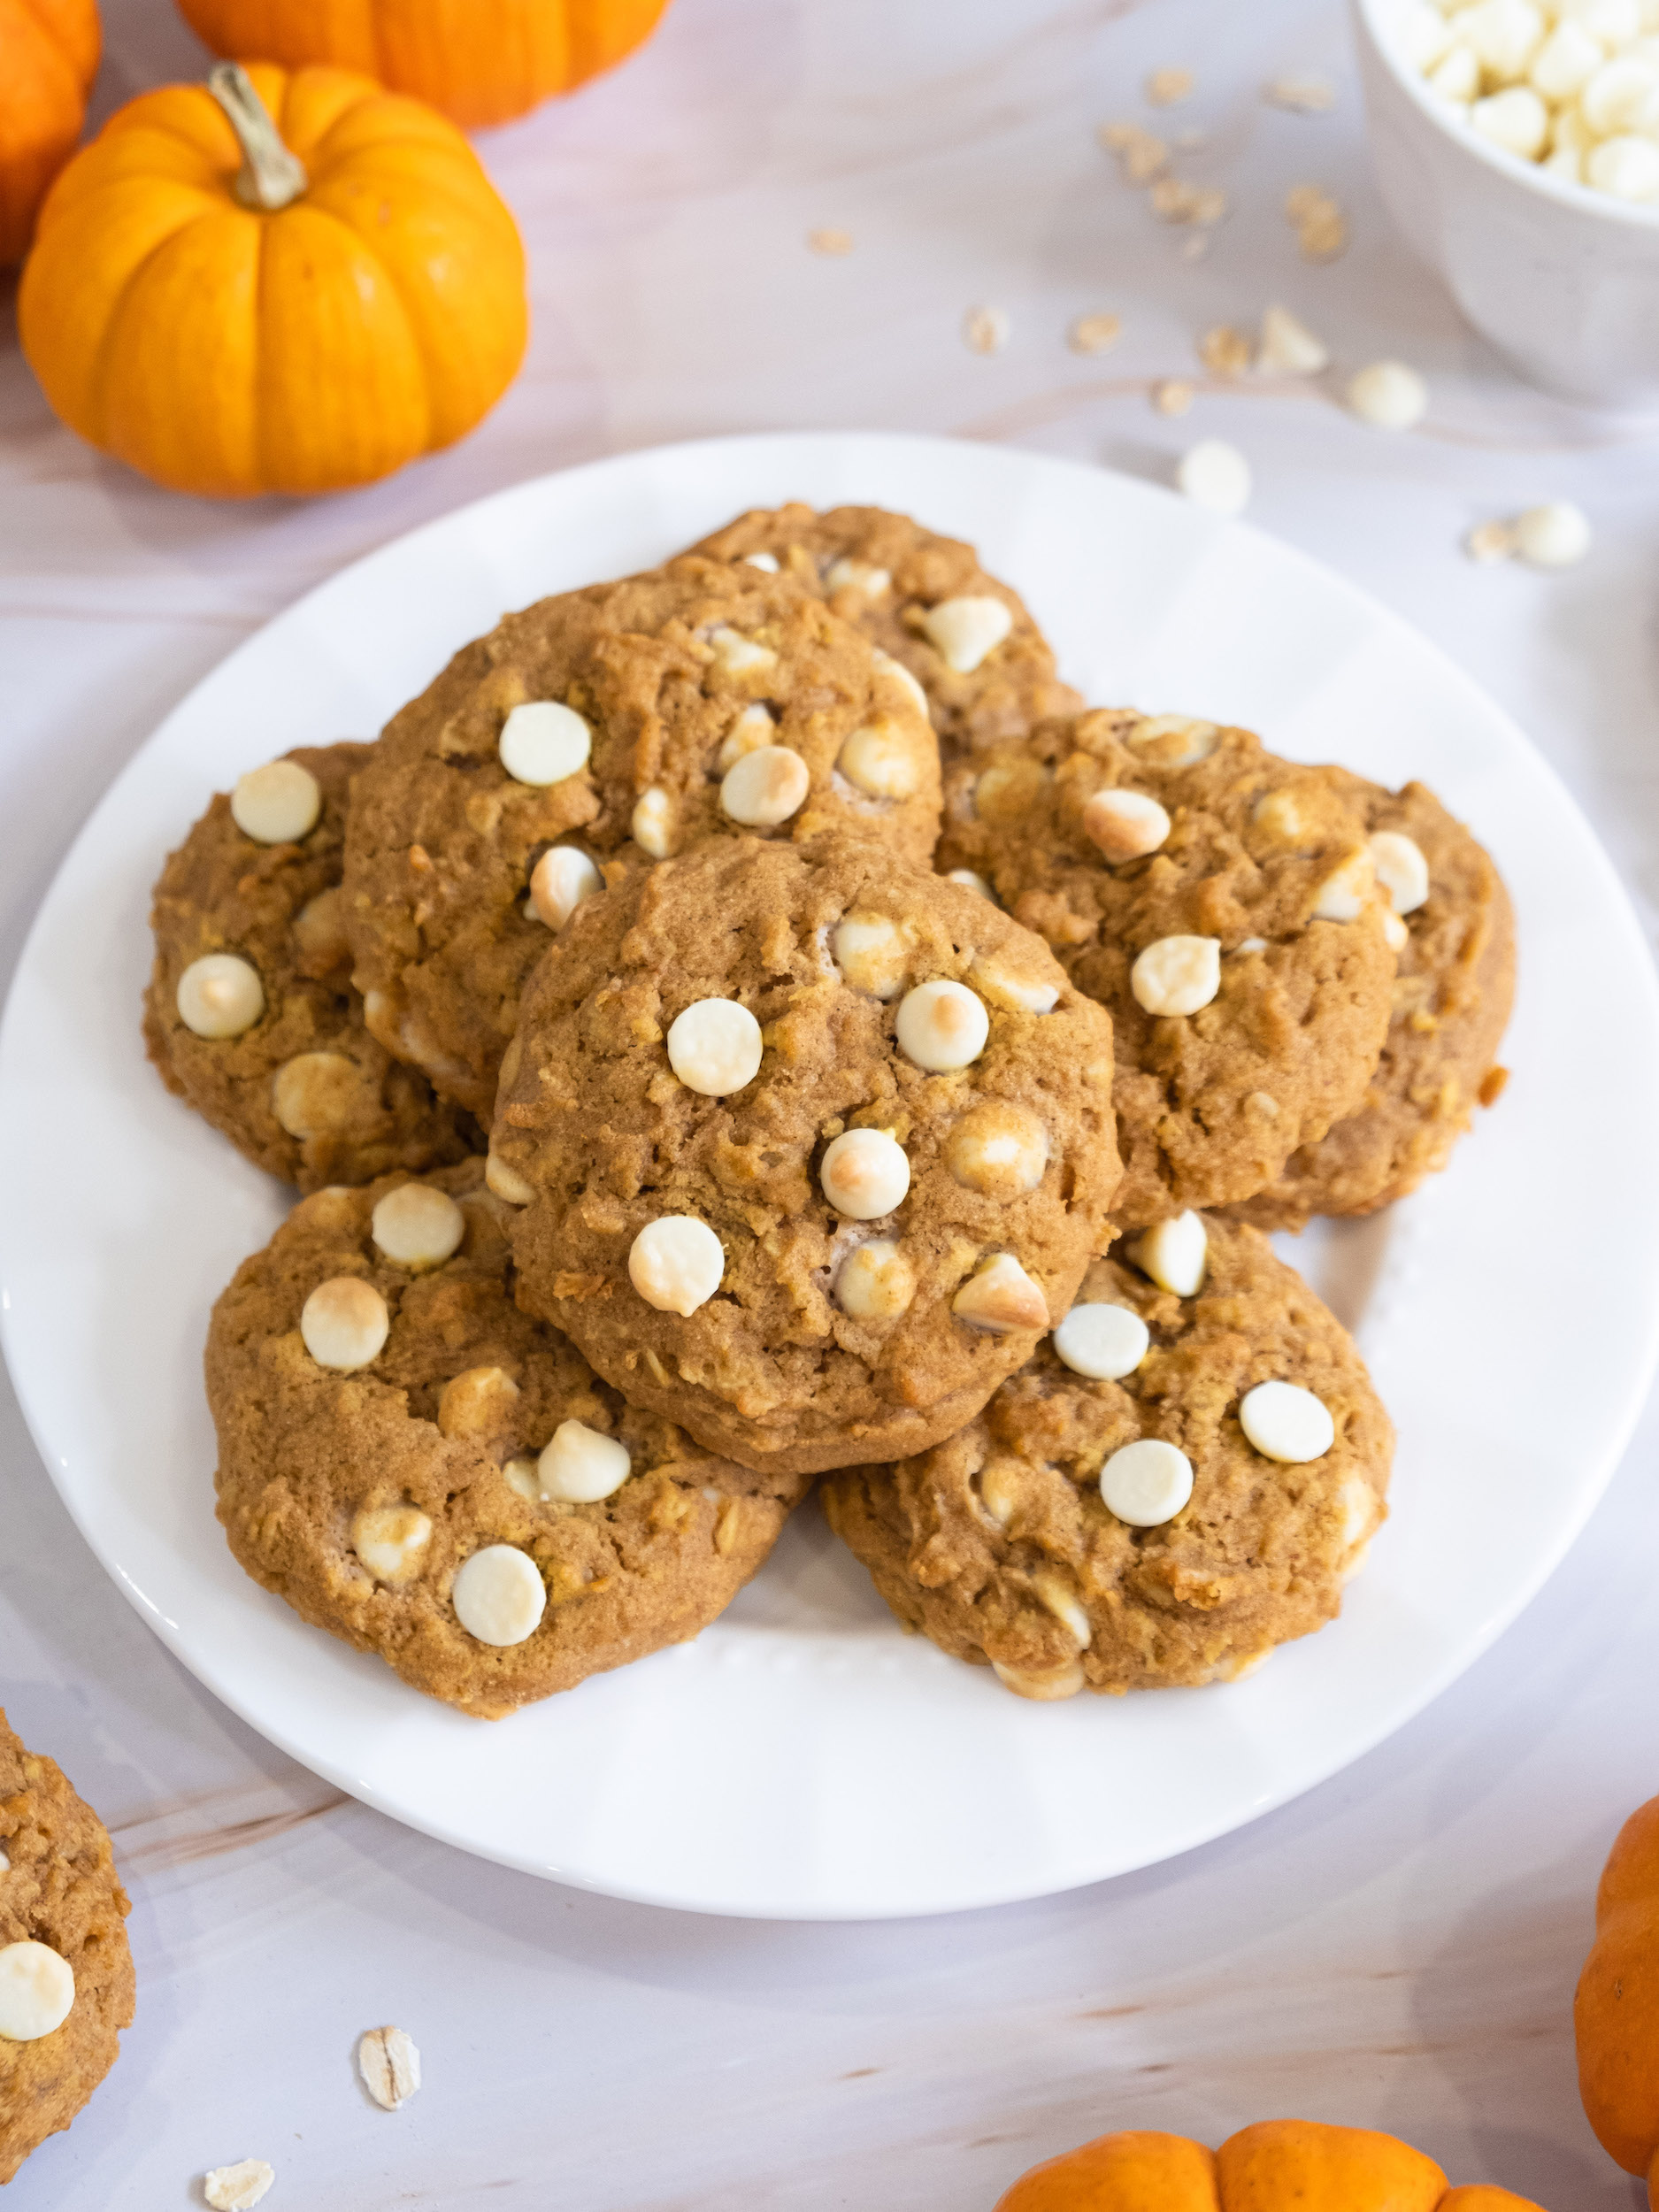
x,y
270,176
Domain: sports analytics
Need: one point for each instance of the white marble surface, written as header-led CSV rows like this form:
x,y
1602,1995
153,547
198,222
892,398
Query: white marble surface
x,y
1398,1948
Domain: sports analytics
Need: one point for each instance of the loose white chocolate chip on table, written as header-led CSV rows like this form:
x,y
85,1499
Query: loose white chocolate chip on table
x,y
752,729
277,804
1105,1342
765,787
220,995
1000,1298
506,1182
871,952
37,1988
652,824
560,880
315,1093
676,1263
985,329
941,1025
498,1596
1216,476
240,2188
876,1282
416,1225
1347,891
1042,1685
1125,825
1064,1604
1285,1422
849,575
344,1323
738,655
578,1466
998,1149
1176,975
390,1540
715,1047
972,880
544,741
1172,740
1174,1254
1553,535
864,1173
965,630
767,563
390,2066
478,1401
1388,395
1401,869
1288,346
1094,334
1147,1483
880,760
896,671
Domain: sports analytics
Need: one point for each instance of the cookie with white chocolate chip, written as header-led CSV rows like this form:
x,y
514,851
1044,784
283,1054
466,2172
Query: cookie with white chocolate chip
x,y
1180,1481
67,1986
1452,997
810,1146
416,1465
1222,905
966,637
609,726
250,1014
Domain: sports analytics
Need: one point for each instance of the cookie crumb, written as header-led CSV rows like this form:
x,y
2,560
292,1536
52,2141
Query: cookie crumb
x,y
1171,396
238,2188
1165,87
1141,153
830,241
1172,200
1225,350
1288,346
1493,1084
1094,334
985,329
1195,247
1320,226
1301,95
390,2066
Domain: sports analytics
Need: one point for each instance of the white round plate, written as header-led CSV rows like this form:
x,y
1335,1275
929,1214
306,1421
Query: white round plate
x,y
804,1759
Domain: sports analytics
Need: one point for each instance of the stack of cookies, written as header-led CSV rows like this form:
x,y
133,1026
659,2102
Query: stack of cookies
x,y
752,1022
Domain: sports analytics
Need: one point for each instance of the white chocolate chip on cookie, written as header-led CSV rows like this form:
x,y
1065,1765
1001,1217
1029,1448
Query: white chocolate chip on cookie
x,y
1043,1684
391,1541
578,1466
652,824
1014,993
965,630
1175,1254
544,742
1176,975
418,1226
896,672
1395,932
876,1282
498,1596
344,1323
1125,825
1287,1423
766,563
221,996
1347,891
941,1025
478,1402
506,1182
765,787
1173,741
871,952
524,1476
560,880
999,1148
737,655
1064,1605
1104,1341
277,804
315,1094
970,879
1000,1298
676,1263
849,575
1401,869
880,760
37,1988
752,729
714,1047
319,933
1147,1483
864,1173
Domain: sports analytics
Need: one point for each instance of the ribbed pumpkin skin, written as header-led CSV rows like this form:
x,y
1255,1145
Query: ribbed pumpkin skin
x,y
479,61
1615,2014
1277,2165
49,56
229,352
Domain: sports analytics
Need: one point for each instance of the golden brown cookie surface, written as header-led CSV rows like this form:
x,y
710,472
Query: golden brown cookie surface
x,y
968,640
1000,1544
59,1888
1218,901
629,722
300,1087
1452,997
421,1468
896,1166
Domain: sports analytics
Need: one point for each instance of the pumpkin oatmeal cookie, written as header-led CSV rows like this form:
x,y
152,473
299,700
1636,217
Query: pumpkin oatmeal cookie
x,y
250,1014
605,727
1221,905
67,1986
1452,997
811,1148
968,640
416,1465
1175,1484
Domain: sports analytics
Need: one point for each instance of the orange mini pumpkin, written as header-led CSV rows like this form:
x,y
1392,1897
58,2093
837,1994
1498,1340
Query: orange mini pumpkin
x,y
1615,2014
1276,2166
481,61
233,311
49,56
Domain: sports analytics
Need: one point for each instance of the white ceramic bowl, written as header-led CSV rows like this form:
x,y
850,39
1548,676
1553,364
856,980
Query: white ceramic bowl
x,y
1562,280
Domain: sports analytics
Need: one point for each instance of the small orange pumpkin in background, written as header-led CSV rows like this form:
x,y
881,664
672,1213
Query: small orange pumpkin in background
x,y
49,56
1276,2166
1615,2014
234,305
479,61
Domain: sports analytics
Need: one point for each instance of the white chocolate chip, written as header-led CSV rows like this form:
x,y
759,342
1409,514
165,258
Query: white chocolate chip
x,y
849,575
767,563
1347,891
560,880
1216,476
1064,1604
676,1263
524,1476
1175,1254
1001,1299
896,672
864,1173
1359,1511
544,742
1287,1423
315,1094
498,1596
1388,395
319,933
5,1860
1147,1483
965,630
880,760
1288,346
1000,1482
221,996
1566,61
391,1541
738,655
478,1402
1627,168
1515,119
941,1025
277,804
876,1282
1042,1685
240,2188
390,2067
765,787
752,729
1455,77
344,1323
652,824
1395,934
1401,869
1173,741
1306,95
1176,975
972,880
871,952
1622,98
37,1988
1125,825
416,1225
506,1182
1553,535
1251,944
1014,992
714,1047
579,1466
1104,1341
998,1149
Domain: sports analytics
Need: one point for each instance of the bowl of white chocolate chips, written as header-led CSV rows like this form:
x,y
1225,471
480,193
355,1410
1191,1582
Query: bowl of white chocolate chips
x,y
1517,145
